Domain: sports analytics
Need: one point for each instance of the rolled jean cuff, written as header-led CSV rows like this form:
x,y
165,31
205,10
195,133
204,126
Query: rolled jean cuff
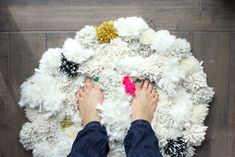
x,y
93,124
141,123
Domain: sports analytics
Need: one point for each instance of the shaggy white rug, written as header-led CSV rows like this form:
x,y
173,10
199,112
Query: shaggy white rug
x,y
107,53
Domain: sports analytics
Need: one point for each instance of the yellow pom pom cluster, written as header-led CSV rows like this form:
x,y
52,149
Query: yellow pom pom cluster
x,y
106,32
66,123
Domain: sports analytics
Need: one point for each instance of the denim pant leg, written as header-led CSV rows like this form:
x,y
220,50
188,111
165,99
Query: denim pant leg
x,y
92,141
141,141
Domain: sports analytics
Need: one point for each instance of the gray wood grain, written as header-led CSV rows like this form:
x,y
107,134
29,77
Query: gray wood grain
x,y
185,15
213,49
25,51
56,39
4,93
231,114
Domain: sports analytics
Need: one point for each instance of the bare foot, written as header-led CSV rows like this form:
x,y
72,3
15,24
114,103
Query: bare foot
x,y
88,98
144,104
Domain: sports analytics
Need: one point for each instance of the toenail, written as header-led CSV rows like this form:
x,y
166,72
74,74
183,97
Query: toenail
x,y
146,79
95,78
87,78
139,80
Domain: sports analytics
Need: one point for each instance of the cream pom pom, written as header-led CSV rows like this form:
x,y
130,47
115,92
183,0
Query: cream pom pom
x,y
46,149
195,133
147,36
87,37
203,95
37,131
32,113
180,48
195,81
190,65
199,113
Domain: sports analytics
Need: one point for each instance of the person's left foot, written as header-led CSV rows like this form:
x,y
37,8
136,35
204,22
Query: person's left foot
x,y
88,98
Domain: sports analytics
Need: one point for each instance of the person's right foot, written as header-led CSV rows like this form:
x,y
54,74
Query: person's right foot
x,y
144,104
88,98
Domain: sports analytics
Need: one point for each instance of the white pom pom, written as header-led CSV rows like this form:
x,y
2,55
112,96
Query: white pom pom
x,y
51,61
162,41
74,51
171,76
63,147
43,149
130,26
42,91
180,111
129,65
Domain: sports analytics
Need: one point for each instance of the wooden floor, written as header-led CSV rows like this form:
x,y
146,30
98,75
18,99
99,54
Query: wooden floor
x,y
29,27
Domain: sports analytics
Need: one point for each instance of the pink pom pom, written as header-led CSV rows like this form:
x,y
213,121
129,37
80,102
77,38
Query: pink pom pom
x,y
128,85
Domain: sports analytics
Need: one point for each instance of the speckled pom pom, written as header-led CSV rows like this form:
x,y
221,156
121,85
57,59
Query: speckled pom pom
x,y
176,147
68,67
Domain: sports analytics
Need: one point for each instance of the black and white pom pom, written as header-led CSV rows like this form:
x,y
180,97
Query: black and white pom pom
x,y
68,67
176,147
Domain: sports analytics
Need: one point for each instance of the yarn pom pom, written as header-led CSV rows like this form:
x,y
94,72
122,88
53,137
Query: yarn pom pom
x,y
176,147
106,32
68,67
128,85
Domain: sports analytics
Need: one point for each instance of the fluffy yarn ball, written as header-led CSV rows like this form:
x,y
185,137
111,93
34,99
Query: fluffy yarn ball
x,y
116,55
176,147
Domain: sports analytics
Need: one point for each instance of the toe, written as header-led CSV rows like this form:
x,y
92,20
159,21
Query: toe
x,y
84,88
138,84
96,86
88,84
92,84
150,88
156,97
153,93
79,94
146,84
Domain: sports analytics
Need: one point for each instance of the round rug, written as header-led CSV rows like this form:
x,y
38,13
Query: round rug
x,y
126,48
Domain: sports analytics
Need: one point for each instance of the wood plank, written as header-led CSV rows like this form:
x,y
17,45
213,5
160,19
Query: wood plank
x,y
213,49
185,15
4,54
231,114
56,39
5,124
25,51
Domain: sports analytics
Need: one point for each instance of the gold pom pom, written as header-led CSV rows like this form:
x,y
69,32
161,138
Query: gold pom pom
x,y
66,123
105,32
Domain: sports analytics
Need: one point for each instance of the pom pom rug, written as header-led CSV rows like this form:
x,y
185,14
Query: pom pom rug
x,y
116,55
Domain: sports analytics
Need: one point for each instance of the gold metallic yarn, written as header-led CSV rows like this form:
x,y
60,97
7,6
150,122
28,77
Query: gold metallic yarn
x,y
66,123
106,32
